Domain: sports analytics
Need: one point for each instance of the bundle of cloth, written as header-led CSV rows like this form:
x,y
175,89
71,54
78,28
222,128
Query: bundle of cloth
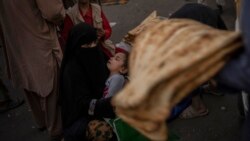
x,y
167,62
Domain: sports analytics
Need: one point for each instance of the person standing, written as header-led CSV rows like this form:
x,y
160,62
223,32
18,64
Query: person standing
x,y
235,74
33,55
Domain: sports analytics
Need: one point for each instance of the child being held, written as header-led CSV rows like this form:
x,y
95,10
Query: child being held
x,y
118,68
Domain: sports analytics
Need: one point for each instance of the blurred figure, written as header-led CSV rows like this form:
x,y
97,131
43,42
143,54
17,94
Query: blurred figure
x,y
235,74
205,15
33,55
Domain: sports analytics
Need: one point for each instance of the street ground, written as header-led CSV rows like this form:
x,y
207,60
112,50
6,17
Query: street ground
x,y
222,124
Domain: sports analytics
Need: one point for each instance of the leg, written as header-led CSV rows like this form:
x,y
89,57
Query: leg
x,y
212,88
76,132
6,103
46,111
53,115
197,107
53,112
36,106
198,104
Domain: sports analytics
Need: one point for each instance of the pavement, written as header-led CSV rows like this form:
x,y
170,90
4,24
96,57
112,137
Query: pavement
x,y
222,124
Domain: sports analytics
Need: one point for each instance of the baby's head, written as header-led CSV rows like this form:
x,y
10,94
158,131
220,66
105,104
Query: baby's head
x,y
119,62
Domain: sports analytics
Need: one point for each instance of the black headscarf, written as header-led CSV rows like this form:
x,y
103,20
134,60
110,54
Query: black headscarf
x,y
80,34
200,13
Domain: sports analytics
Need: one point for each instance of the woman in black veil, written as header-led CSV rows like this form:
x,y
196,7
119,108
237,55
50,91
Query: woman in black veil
x,y
82,80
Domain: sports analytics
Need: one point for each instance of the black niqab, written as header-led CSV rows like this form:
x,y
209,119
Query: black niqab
x,y
82,78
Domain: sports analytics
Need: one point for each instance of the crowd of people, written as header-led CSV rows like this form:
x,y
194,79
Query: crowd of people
x,y
70,76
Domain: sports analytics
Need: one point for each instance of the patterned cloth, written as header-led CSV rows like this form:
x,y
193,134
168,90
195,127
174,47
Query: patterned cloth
x,y
98,130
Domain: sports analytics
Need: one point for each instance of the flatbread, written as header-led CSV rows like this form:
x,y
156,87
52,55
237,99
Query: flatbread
x,y
167,62
149,21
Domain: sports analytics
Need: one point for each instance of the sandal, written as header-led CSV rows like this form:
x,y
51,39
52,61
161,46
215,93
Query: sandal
x,y
190,112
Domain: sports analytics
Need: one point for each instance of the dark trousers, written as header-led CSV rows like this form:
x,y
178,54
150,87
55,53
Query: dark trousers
x,y
246,129
76,132
4,97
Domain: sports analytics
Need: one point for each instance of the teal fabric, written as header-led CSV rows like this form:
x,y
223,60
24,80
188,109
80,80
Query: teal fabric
x,y
125,132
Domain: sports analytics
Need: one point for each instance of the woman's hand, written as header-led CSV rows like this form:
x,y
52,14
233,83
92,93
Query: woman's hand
x,y
103,108
100,33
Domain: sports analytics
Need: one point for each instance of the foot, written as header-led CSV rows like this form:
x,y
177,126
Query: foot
x,y
212,89
191,112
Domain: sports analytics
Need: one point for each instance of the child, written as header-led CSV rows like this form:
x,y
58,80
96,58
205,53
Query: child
x,y
118,67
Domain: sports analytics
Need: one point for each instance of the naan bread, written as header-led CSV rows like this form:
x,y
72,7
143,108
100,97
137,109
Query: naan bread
x,y
151,20
167,62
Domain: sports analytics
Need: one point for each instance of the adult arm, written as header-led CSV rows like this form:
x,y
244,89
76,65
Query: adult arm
x,y
51,10
78,96
93,107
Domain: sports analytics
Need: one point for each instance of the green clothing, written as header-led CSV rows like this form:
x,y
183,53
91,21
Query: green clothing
x,y
125,132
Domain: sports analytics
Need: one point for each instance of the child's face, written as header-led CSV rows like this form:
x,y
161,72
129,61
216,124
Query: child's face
x,y
116,63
